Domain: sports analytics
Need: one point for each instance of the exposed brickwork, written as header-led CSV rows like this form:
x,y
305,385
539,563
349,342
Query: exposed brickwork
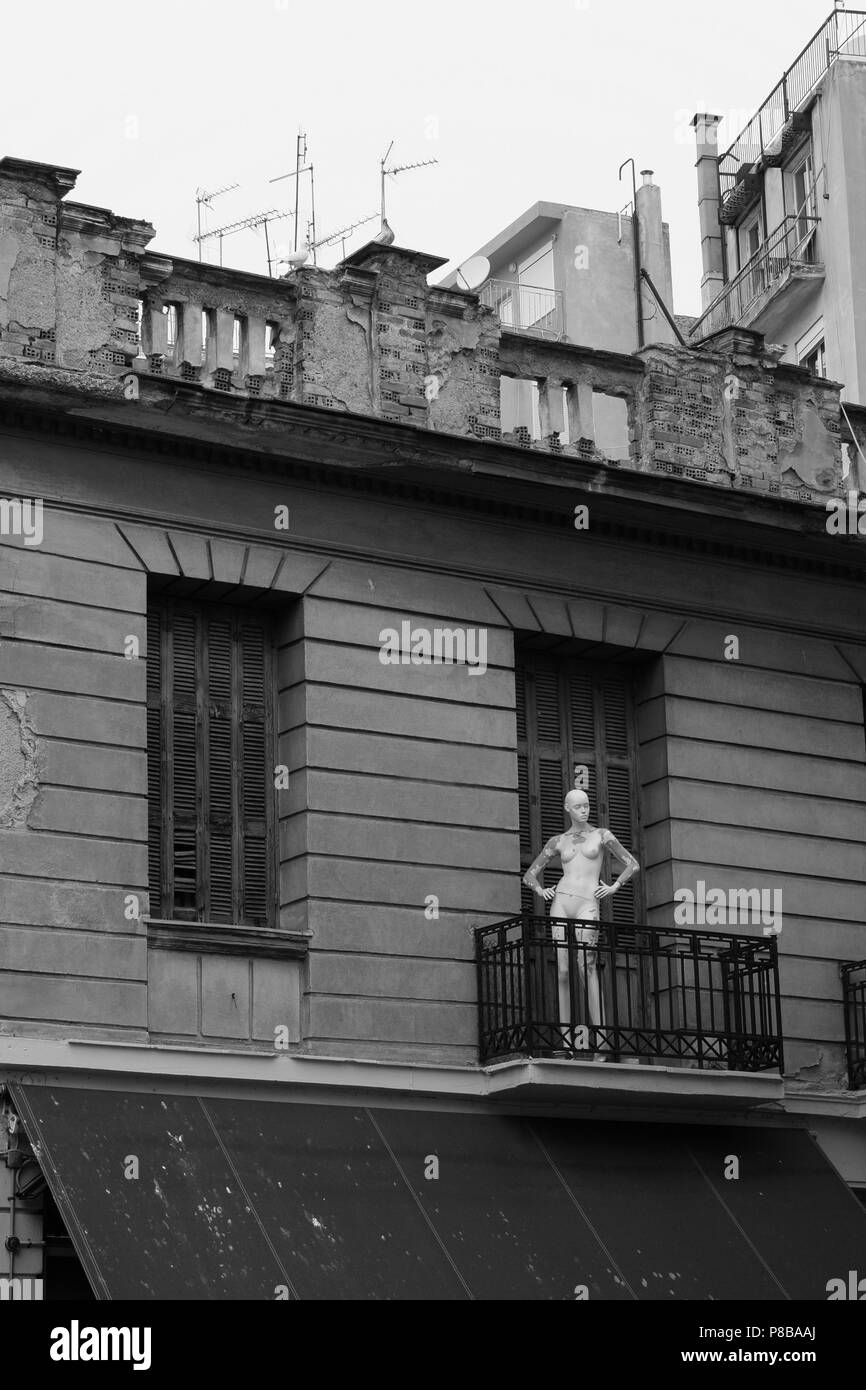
x,y
736,418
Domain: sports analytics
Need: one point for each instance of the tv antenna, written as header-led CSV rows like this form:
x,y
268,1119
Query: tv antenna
x,y
258,219
345,231
386,235
302,168
299,258
203,199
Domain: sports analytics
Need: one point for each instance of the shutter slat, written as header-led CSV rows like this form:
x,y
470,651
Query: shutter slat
x,y
154,650
255,878
551,795
547,716
615,719
184,778
581,712
253,665
253,743
220,775
523,806
619,822
221,878
184,865
219,661
183,633
520,701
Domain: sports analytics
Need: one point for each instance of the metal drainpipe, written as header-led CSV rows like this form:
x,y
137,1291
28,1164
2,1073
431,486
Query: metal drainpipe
x,y
637,262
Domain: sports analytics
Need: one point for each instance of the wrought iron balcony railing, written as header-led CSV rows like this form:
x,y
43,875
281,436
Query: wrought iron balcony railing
x,y
525,308
696,998
854,998
843,34
792,243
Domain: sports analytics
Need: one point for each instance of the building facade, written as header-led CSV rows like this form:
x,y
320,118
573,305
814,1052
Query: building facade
x,y
304,642
781,211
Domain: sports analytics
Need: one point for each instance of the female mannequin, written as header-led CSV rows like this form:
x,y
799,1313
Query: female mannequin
x,y
577,895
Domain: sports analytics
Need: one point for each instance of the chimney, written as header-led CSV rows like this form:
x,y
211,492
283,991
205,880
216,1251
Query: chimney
x,y
655,260
709,198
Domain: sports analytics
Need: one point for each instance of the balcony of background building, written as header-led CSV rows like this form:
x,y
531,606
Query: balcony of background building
x,y
781,270
778,123
525,308
695,999
854,995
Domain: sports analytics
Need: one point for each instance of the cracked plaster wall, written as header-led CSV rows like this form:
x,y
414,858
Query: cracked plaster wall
x,y
19,761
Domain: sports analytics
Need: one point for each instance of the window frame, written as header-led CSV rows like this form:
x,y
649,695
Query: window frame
x,y
601,758
162,698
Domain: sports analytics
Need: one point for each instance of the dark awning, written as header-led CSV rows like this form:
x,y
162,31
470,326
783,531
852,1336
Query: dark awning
x,y
236,1198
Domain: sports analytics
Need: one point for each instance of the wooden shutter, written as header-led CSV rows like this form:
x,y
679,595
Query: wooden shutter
x,y
254,783
210,764
577,713
155,772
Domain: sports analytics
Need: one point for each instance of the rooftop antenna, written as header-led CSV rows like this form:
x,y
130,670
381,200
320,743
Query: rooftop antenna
x,y
301,168
299,258
258,219
203,199
386,235
343,232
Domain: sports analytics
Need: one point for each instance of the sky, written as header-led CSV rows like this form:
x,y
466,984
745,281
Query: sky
x,y
518,102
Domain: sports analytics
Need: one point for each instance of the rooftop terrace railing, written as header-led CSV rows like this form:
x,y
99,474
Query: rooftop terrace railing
x,y
525,308
694,998
793,242
843,34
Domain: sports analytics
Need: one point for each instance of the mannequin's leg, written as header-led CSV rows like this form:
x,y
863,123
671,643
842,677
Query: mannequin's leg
x,y
558,908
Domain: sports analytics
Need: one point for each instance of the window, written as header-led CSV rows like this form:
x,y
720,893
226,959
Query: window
x,y
210,764
170,311
811,349
572,713
753,237
817,361
801,187
519,406
751,240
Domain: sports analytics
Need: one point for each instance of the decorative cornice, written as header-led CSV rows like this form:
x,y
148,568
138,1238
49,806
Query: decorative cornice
x,y
374,456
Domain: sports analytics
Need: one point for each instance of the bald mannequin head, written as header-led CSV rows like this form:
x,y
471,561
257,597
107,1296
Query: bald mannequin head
x,y
577,805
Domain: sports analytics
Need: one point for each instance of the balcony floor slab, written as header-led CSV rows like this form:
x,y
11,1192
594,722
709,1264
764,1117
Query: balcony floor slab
x,y
606,1082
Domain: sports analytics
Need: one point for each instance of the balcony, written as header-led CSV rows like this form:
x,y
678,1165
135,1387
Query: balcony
x,y
854,997
695,999
525,308
784,265
775,126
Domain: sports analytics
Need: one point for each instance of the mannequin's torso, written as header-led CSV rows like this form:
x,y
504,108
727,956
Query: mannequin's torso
x,y
581,856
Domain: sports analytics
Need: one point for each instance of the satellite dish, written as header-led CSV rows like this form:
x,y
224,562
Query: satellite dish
x,y
298,258
473,273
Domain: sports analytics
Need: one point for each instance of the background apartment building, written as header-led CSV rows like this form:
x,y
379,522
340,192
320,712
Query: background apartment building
x,y
276,1021
782,210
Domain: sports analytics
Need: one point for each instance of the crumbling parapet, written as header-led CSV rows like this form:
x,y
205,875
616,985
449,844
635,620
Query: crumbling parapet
x,y
80,293
733,415
70,275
